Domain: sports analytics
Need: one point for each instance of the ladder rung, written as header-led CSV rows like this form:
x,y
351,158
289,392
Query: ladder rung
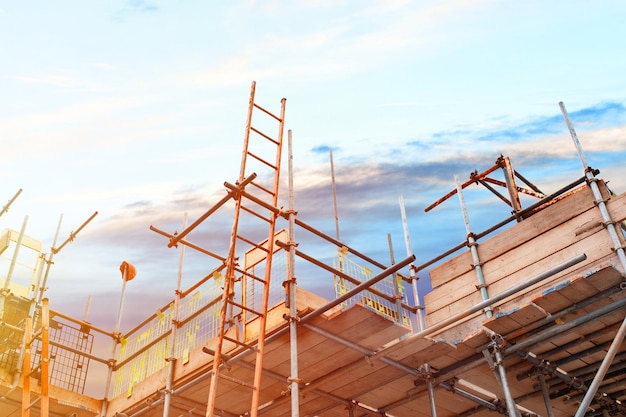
x,y
256,245
235,380
261,160
32,404
255,199
247,346
241,306
267,112
260,187
258,132
255,214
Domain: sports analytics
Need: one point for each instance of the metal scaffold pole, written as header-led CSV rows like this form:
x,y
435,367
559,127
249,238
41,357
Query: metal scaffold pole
x,y
498,364
602,370
45,357
291,287
592,181
26,368
471,242
128,273
171,356
421,322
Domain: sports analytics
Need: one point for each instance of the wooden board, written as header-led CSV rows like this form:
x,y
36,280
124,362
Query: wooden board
x,y
61,401
459,296
579,201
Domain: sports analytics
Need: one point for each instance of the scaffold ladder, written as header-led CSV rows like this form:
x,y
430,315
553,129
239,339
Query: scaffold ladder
x,y
259,202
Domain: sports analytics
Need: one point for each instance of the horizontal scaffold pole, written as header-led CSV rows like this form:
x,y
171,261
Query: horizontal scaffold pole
x,y
345,276
363,286
187,243
478,307
234,192
339,244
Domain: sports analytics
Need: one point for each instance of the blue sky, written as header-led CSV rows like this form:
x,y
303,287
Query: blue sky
x,y
136,109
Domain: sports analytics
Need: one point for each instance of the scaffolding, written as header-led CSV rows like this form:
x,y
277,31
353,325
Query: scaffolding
x,y
526,318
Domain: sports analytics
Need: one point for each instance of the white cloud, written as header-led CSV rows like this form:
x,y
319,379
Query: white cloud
x,y
70,127
63,79
368,38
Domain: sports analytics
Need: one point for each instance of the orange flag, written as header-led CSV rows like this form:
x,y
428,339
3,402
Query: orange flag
x,y
128,271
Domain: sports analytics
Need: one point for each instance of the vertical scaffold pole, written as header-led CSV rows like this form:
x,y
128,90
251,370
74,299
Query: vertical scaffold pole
x,y
128,273
171,355
18,244
421,322
291,286
396,286
471,242
45,357
28,323
335,212
44,282
31,308
591,180
499,358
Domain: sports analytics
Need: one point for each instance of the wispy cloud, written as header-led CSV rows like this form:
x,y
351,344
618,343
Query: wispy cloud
x,y
135,7
71,127
344,46
58,80
63,80
323,149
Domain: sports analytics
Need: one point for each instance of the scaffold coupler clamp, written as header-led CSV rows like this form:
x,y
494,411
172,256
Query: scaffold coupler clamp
x,y
291,318
424,374
287,213
291,380
496,344
162,393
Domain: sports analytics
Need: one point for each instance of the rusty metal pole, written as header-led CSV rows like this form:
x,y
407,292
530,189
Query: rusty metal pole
x,y
509,178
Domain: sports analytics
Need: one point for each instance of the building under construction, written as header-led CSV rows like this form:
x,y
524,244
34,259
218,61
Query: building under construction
x,y
526,318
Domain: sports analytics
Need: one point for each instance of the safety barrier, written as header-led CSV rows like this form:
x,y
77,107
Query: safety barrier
x,y
384,297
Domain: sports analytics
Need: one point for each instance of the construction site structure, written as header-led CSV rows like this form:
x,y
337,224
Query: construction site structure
x,y
526,318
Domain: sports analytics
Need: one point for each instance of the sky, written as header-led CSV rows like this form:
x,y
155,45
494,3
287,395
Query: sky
x,y
136,109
